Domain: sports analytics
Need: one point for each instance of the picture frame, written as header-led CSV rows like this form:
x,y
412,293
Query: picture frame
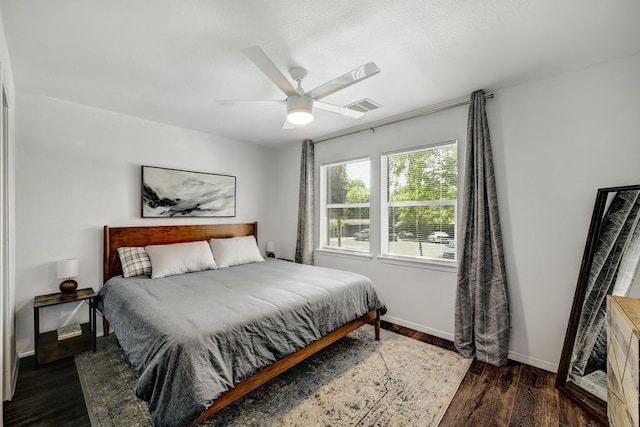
x,y
176,193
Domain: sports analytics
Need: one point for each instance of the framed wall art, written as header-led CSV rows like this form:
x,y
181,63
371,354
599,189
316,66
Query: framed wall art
x,y
170,193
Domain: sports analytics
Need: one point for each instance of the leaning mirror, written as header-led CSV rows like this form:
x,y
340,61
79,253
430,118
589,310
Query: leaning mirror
x,y
609,267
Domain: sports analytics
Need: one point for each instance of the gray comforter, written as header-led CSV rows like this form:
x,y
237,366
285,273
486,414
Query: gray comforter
x,y
194,336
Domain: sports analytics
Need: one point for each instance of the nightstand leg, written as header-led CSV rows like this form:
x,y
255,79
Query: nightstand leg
x,y
94,326
36,331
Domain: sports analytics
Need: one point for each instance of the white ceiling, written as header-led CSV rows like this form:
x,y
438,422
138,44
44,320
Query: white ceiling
x,y
168,60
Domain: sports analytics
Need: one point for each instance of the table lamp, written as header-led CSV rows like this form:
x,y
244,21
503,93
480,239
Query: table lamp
x,y
270,249
67,269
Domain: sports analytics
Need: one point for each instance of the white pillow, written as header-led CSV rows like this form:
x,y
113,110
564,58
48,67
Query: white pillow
x,y
235,251
179,258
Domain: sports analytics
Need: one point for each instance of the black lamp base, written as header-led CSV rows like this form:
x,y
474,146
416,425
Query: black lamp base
x,y
69,286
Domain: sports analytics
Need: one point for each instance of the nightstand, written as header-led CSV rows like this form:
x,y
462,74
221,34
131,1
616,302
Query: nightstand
x,y
47,347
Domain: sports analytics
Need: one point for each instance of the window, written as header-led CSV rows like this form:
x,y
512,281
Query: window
x,y
344,194
420,202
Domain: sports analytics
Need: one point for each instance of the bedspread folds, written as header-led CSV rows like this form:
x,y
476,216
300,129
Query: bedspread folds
x,y
194,336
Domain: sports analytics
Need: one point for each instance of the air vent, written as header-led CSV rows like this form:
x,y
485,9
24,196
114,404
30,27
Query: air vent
x,y
364,105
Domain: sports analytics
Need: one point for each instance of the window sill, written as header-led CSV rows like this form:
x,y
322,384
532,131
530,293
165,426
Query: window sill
x,y
431,264
362,256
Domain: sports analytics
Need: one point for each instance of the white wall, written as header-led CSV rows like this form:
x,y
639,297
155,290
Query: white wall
x,y
78,168
555,142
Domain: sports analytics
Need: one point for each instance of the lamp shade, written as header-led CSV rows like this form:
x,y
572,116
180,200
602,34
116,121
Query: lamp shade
x,y
271,246
68,268
299,109
300,117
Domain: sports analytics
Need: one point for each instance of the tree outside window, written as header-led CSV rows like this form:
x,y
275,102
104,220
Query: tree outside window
x,y
347,205
421,202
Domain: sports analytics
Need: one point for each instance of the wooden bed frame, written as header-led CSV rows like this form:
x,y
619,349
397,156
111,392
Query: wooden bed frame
x,y
115,237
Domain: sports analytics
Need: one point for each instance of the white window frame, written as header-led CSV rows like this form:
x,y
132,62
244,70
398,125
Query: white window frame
x,y
324,208
385,255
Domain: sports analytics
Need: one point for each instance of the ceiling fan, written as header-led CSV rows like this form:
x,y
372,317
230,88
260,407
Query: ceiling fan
x,y
300,104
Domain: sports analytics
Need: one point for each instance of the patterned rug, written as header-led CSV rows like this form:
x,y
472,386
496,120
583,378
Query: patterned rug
x,y
357,381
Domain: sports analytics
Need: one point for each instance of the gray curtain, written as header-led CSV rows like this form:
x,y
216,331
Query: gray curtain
x,y
482,310
614,265
304,243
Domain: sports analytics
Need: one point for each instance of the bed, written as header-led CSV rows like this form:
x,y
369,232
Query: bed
x,y
201,340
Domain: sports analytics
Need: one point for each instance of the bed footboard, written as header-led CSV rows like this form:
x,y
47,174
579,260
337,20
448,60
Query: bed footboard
x,y
282,365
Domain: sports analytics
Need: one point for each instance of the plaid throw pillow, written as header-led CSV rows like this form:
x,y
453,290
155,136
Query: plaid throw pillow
x,y
135,262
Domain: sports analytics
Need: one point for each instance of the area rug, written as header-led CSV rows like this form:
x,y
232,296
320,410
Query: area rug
x,y
357,381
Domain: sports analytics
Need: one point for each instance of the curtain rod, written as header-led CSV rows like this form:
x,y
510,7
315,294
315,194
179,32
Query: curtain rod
x,y
458,102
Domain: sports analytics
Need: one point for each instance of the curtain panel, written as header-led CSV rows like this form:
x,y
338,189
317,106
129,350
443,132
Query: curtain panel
x,y
304,242
482,310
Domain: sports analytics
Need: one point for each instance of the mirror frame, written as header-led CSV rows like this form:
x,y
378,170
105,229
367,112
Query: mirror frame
x,y
589,402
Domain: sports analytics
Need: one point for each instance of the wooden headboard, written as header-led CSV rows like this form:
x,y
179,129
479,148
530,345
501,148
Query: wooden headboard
x,y
115,237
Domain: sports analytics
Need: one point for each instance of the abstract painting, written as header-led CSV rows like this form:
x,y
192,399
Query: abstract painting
x,y
179,193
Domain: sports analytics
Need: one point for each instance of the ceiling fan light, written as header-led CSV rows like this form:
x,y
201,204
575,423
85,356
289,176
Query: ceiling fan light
x,y
299,109
299,116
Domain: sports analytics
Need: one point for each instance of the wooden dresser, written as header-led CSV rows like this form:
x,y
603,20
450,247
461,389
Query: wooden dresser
x,y
623,348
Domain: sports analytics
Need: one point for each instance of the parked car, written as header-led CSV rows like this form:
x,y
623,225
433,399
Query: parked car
x,y
406,235
438,237
450,252
362,234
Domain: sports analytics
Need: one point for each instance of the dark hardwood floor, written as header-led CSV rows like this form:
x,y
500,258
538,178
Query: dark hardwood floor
x,y
513,395
50,396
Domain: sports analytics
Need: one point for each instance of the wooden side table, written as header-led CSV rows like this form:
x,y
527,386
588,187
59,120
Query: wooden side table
x,y
47,347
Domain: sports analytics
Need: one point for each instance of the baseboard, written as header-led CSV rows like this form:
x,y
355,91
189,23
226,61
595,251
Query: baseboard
x,y
419,328
26,354
518,357
532,361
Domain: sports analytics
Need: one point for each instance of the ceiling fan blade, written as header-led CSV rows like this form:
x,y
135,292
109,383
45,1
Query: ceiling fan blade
x,y
287,125
262,61
238,102
345,80
338,110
